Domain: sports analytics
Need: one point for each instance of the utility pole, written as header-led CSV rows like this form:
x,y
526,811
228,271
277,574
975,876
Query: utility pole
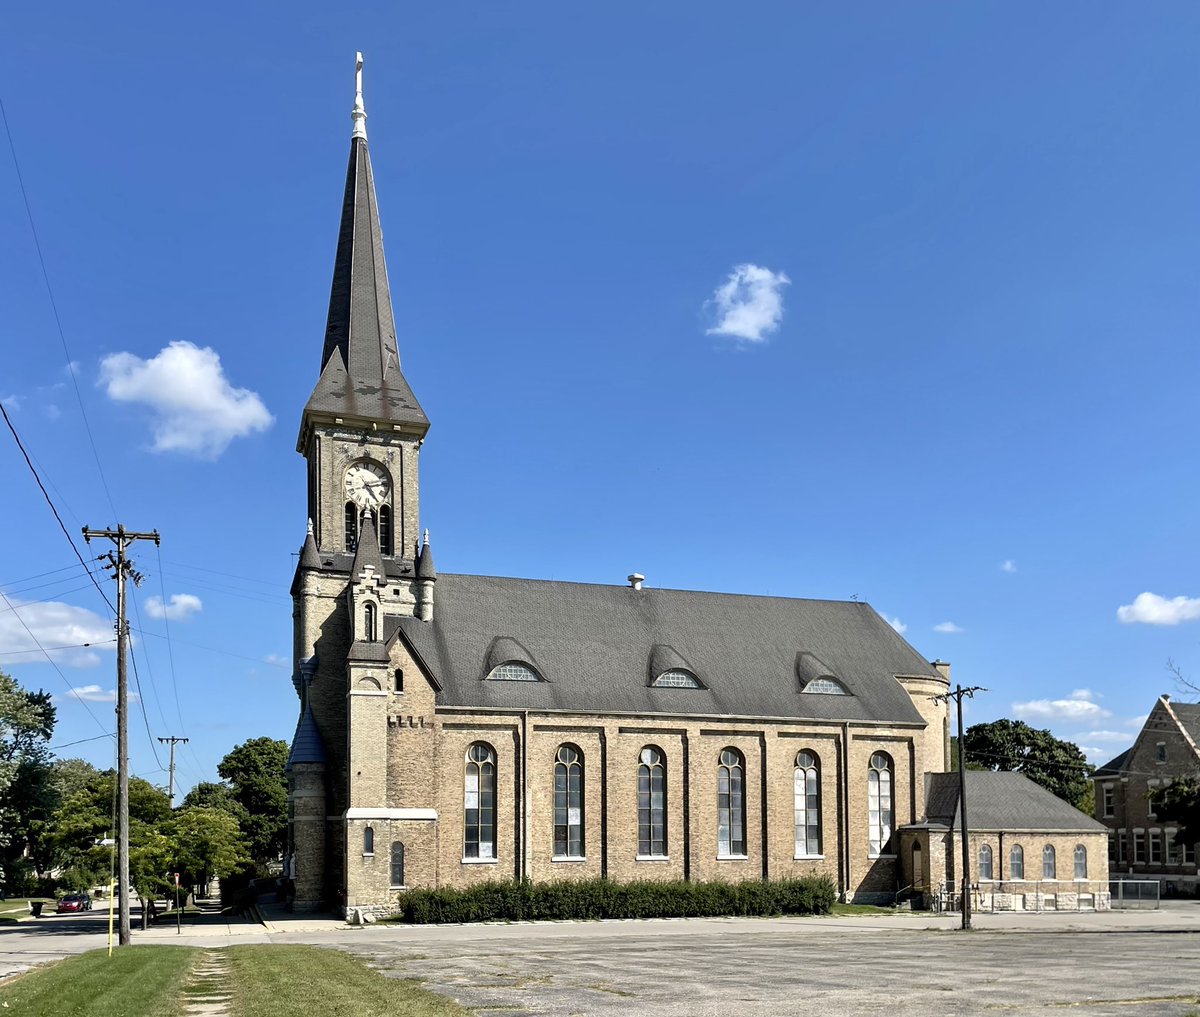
x,y
122,567
172,740
958,695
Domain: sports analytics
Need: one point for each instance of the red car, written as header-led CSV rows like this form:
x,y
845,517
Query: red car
x,y
75,902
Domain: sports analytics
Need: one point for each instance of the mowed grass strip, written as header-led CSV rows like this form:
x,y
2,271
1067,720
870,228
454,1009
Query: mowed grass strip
x,y
304,981
136,981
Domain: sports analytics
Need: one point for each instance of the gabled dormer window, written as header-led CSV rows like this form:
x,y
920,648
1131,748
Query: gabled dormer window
x,y
513,671
676,678
826,687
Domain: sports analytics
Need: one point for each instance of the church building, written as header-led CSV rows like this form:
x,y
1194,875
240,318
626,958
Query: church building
x,y
459,728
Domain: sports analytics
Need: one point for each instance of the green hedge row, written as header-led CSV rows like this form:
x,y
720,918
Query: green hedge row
x,y
600,898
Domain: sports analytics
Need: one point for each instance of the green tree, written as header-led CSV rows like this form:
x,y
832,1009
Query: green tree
x,y
255,773
207,842
1179,802
1059,766
207,794
26,723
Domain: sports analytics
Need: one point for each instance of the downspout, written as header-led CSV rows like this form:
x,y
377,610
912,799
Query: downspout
x,y
762,783
525,794
846,809
687,812
603,803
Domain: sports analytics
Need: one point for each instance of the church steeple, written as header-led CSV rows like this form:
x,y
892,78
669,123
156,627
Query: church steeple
x,y
361,381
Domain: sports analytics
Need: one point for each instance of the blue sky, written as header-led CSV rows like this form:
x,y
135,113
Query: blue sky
x,y
956,245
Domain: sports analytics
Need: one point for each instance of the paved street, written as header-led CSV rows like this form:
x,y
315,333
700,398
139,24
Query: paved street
x,y
1110,964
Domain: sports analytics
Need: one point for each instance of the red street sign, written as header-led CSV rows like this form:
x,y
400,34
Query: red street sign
x,y
177,879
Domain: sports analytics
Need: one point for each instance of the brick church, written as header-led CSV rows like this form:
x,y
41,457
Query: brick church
x,y
458,728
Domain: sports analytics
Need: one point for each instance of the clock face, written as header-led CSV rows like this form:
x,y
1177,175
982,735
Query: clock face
x,y
367,485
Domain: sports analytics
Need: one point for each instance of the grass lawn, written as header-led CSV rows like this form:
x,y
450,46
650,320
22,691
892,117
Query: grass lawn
x,y
849,910
303,981
135,981
264,981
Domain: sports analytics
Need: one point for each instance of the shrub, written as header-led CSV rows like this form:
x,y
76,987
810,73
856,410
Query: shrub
x,y
600,898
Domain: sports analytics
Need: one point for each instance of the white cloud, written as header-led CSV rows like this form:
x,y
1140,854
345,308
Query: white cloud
x,y
91,694
181,607
1138,721
1078,706
276,660
948,627
1151,609
1008,565
196,409
11,402
1121,737
895,623
62,629
749,304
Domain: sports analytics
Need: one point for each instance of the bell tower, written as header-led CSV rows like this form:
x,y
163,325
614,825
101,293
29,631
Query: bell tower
x,y
362,427
361,434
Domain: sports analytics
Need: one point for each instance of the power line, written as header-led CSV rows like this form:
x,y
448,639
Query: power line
x,y
170,650
54,306
61,593
80,741
42,487
227,575
39,575
50,660
71,646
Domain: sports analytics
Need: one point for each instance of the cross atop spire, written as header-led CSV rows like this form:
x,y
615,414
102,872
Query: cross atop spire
x,y
359,113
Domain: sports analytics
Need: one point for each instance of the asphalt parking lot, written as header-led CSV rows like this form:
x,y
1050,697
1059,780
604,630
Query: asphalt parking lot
x,y
755,968
1087,964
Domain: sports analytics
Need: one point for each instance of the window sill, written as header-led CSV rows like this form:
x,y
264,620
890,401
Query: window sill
x,y
368,854
480,861
873,857
808,858
569,858
405,887
732,858
652,858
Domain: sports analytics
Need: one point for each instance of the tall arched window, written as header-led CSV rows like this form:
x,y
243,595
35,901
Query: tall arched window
x,y
397,863
370,623
568,802
985,861
1016,862
1080,862
385,529
369,841
1049,868
731,804
879,803
479,802
806,794
351,526
652,803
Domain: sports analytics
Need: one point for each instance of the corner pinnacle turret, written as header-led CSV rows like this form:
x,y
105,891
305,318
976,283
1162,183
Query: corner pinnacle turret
x,y
360,378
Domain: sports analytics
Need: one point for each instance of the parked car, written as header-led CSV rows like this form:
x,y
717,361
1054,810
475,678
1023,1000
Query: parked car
x,y
74,902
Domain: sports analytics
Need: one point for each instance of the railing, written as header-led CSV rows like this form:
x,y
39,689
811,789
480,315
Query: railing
x,y
1135,893
1028,895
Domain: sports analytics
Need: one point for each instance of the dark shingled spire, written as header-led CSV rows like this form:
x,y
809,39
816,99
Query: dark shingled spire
x,y
425,569
367,552
310,558
360,364
307,746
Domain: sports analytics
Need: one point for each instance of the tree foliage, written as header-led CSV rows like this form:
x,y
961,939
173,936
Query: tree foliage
x,y
1179,802
1057,765
26,723
255,773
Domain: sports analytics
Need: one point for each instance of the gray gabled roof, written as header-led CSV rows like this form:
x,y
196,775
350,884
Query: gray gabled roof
x,y
1188,715
1002,801
593,645
1113,768
360,364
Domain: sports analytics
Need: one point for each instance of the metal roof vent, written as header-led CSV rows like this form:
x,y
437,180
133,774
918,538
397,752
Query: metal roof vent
x,y
636,579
